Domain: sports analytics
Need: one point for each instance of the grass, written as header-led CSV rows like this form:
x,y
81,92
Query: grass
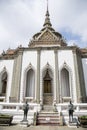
x,y
5,116
83,117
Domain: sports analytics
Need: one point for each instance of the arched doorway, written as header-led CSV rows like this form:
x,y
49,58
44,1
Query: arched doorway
x,y
30,83
65,85
3,84
47,88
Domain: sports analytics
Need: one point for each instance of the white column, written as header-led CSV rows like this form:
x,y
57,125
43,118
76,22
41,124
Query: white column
x,y
16,77
41,88
38,78
76,75
56,78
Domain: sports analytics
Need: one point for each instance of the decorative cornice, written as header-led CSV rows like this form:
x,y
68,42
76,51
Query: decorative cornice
x,y
6,55
84,52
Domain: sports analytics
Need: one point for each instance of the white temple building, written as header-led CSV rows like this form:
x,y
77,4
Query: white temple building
x,y
45,73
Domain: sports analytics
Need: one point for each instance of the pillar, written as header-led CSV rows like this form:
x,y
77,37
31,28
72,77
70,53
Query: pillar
x,y
56,79
16,77
38,78
77,76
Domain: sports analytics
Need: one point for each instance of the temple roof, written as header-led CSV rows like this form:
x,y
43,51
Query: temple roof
x,y
47,36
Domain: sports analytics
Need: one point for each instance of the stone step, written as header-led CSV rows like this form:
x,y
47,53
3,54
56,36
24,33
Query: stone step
x,y
48,106
49,112
41,119
46,122
49,123
50,116
46,118
48,99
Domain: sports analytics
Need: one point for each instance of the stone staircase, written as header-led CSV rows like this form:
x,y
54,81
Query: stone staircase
x,y
47,99
47,108
48,118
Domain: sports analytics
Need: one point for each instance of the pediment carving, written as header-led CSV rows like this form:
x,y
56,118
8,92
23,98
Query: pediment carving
x,y
47,36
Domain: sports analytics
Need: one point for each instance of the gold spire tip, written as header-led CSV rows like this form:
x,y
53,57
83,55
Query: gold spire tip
x,y
47,5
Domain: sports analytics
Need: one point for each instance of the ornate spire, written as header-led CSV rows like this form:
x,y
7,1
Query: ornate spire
x,y
47,13
47,22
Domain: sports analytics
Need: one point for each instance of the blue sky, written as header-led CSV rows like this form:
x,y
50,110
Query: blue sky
x,y
21,19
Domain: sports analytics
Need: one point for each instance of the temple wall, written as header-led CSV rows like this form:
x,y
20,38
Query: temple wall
x,y
47,60
8,64
84,63
66,56
47,57
29,58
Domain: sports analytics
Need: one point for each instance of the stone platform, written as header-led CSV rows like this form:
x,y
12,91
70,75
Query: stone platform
x,y
18,127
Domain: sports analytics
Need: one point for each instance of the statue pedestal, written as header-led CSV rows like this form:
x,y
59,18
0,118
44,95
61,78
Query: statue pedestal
x,y
73,124
24,123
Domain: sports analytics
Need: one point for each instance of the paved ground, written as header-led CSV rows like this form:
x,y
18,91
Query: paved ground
x,y
18,127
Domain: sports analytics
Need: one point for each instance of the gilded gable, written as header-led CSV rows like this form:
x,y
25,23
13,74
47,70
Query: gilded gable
x,y
47,36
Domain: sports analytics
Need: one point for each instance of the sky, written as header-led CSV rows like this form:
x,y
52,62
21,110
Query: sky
x,y
21,19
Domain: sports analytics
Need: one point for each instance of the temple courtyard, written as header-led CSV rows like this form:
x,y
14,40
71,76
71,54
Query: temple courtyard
x,y
18,127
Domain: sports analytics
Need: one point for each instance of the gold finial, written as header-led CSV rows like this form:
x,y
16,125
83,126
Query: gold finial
x,y
47,5
47,13
47,22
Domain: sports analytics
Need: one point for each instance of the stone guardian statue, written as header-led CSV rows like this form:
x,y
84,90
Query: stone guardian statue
x,y
25,109
70,110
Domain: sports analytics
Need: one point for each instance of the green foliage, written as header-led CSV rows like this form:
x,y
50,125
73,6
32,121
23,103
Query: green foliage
x,y
5,116
83,117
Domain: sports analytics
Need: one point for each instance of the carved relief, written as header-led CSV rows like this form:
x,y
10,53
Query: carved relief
x,y
47,36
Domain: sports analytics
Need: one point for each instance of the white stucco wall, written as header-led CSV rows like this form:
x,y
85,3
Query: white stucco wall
x,y
66,56
8,64
47,56
29,57
84,63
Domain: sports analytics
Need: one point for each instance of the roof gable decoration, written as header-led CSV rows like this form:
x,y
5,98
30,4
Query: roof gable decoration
x,y
47,37
47,34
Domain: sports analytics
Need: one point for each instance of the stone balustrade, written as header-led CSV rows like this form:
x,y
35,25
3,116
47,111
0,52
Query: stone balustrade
x,y
16,110
80,107
18,106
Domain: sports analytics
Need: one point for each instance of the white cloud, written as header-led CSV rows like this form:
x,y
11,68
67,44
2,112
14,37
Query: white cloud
x,y
71,15
20,19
